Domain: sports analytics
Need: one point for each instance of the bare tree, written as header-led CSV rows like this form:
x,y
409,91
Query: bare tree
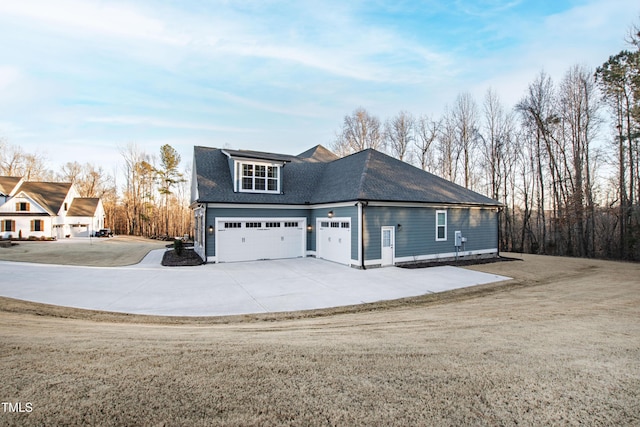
x,y
398,133
465,116
427,131
360,131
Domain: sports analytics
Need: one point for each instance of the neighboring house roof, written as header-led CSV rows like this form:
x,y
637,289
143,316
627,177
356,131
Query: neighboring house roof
x,y
49,195
8,184
83,206
319,176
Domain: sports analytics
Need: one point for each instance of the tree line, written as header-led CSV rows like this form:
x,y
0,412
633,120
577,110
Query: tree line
x,y
562,192
153,201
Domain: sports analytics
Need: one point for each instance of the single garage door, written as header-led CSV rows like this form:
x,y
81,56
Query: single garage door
x,y
251,239
334,240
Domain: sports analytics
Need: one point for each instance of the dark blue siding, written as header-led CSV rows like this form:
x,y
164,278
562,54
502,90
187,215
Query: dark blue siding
x,y
415,230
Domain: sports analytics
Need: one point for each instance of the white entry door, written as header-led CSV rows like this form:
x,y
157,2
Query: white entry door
x,y
388,243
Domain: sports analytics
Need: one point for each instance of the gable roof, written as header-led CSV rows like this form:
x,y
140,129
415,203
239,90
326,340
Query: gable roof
x,y
83,206
319,176
49,195
8,184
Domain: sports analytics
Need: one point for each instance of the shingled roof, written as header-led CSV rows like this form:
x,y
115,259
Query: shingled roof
x,y
83,206
49,195
319,176
7,184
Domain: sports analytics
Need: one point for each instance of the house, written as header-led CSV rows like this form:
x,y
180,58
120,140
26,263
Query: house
x,y
49,210
366,209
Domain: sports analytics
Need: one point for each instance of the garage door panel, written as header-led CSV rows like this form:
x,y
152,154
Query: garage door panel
x,y
260,238
334,240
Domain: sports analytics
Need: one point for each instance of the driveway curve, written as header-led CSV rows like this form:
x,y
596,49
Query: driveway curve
x,y
224,289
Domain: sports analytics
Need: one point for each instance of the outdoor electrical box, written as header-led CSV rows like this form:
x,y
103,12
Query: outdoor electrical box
x,y
458,239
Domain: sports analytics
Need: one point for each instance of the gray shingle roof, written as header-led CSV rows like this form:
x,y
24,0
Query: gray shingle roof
x,y
319,176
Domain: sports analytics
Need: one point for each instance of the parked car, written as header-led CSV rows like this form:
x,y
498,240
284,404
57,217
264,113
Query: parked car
x,y
104,232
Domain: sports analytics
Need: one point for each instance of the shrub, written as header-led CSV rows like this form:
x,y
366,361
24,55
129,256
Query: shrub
x,y
178,246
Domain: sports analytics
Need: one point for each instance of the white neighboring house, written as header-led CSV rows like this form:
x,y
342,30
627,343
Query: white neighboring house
x,y
50,210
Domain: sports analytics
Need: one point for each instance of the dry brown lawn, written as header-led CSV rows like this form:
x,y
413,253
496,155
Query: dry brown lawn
x,y
96,252
558,345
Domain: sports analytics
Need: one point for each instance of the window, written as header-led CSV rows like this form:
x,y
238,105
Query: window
x,y
232,225
273,224
324,224
22,207
335,224
37,225
259,178
344,225
8,225
254,225
441,225
290,224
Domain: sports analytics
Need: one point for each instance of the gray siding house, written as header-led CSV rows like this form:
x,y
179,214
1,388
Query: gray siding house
x,y
363,210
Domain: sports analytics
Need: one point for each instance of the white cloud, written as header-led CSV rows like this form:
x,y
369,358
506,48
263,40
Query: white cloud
x,y
8,76
161,123
92,17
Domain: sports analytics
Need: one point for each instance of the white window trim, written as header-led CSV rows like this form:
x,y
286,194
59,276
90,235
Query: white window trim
x,y
445,226
239,167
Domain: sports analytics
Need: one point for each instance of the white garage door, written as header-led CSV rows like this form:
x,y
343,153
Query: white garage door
x,y
250,239
334,240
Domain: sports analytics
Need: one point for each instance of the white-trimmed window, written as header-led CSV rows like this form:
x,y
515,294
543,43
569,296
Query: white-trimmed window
x,y
259,178
441,226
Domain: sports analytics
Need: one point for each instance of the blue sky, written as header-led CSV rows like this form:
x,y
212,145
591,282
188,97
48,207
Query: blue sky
x,y
81,79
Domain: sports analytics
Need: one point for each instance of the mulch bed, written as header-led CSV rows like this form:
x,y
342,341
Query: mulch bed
x,y
458,263
188,258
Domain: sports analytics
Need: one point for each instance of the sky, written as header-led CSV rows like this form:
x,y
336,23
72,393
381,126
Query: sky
x,y
80,80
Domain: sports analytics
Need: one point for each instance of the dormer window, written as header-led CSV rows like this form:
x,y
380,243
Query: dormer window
x,y
259,178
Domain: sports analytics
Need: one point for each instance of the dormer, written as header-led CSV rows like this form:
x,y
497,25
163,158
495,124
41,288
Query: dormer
x,y
256,172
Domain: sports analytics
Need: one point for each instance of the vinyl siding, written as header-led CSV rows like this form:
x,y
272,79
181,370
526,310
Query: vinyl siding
x,y
417,234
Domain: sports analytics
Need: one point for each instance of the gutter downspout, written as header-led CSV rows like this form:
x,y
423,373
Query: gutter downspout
x,y
363,204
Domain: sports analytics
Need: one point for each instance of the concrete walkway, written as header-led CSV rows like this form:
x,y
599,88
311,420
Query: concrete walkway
x,y
224,289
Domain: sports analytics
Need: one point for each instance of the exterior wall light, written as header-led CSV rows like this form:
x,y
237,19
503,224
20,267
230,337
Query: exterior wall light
x,y
399,227
309,228
330,214
211,229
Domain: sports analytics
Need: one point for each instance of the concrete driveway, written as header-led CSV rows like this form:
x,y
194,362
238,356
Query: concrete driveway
x,y
224,289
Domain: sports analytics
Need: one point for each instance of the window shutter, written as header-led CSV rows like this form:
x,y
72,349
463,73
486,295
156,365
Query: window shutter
x,y
33,224
13,225
17,206
28,206
2,223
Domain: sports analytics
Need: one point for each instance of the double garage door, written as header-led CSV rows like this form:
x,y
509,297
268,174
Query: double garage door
x,y
250,239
